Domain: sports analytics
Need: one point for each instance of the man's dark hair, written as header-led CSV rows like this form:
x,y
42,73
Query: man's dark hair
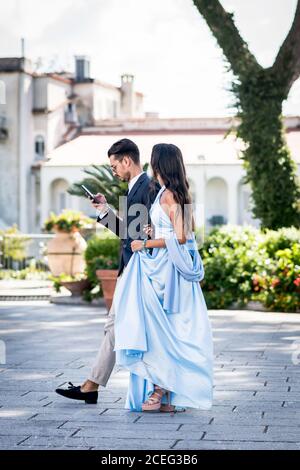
x,y
125,147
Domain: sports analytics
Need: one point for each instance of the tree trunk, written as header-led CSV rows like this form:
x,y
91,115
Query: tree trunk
x,y
270,169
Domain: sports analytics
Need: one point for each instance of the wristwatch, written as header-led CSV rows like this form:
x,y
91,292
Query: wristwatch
x,y
144,243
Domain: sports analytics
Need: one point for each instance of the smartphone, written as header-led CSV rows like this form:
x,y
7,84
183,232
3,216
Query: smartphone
x,y
88,193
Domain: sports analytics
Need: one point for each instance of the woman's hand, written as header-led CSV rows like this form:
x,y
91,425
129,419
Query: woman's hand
x,y
148,229
136,245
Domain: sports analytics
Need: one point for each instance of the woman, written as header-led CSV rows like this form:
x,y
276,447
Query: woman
x,y
162,331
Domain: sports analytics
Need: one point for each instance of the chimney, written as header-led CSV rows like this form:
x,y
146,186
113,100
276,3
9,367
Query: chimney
x,y
82,68
15,64
128,96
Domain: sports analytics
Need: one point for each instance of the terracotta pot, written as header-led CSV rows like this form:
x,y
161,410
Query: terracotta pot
x,y
108,280
65,253
76,287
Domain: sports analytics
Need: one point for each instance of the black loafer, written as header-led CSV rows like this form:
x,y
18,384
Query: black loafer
x,y
75,393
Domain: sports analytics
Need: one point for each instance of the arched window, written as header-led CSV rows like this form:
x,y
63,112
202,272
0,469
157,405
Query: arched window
x,y
216,201
60,199
39,147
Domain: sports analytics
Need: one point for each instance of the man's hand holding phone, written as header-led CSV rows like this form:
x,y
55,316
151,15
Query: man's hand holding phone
x,y
100,202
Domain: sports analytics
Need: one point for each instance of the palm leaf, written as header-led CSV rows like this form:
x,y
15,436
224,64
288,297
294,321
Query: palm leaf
x,y
101,180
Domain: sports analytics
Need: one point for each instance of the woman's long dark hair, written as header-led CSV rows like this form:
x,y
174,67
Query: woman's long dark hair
x,y
167,160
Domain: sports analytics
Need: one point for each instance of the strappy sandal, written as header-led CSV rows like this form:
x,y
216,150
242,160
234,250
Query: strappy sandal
x,y
167,408
153,404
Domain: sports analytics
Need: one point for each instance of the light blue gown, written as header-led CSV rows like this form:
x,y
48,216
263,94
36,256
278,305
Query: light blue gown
x,y
162,331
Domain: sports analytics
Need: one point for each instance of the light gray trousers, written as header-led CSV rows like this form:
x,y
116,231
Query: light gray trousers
x,y
106,357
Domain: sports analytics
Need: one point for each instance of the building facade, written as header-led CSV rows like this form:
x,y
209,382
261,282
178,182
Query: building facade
x,y
214,168
40,112
53,125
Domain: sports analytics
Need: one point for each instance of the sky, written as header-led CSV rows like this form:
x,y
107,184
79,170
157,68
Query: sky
x,y
165,44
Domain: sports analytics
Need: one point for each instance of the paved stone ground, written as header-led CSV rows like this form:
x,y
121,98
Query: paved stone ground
x,y
24,290
256,393
27,290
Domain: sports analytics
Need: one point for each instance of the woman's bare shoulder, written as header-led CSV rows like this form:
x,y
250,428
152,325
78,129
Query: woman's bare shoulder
x,y
167,197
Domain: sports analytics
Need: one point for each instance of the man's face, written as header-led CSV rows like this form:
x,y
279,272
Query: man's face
x,y
120,169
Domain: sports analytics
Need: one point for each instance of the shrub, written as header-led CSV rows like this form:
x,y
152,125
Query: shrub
x,y
28,273
282,284
230,255
102,252
244,263
13,243
280,239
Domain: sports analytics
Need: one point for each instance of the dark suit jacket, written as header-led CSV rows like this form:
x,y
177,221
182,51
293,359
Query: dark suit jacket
x,y
141,193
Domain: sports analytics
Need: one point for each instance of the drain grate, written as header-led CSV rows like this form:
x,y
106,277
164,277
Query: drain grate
x,y
24,297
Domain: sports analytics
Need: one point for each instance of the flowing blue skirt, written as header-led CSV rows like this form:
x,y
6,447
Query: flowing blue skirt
x,y
172,350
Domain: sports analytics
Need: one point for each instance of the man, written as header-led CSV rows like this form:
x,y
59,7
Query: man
x,y
124,157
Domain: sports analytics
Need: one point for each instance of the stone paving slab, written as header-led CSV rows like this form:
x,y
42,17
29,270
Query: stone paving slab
x,y
31,290
256,386
97,443
221,445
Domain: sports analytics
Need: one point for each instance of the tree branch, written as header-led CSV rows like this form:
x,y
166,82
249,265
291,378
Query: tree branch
x,y
222,25
287,62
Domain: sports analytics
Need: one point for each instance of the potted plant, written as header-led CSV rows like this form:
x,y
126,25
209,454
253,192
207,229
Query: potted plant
x,y
65,252
75,284
102,262
217,220
107,274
